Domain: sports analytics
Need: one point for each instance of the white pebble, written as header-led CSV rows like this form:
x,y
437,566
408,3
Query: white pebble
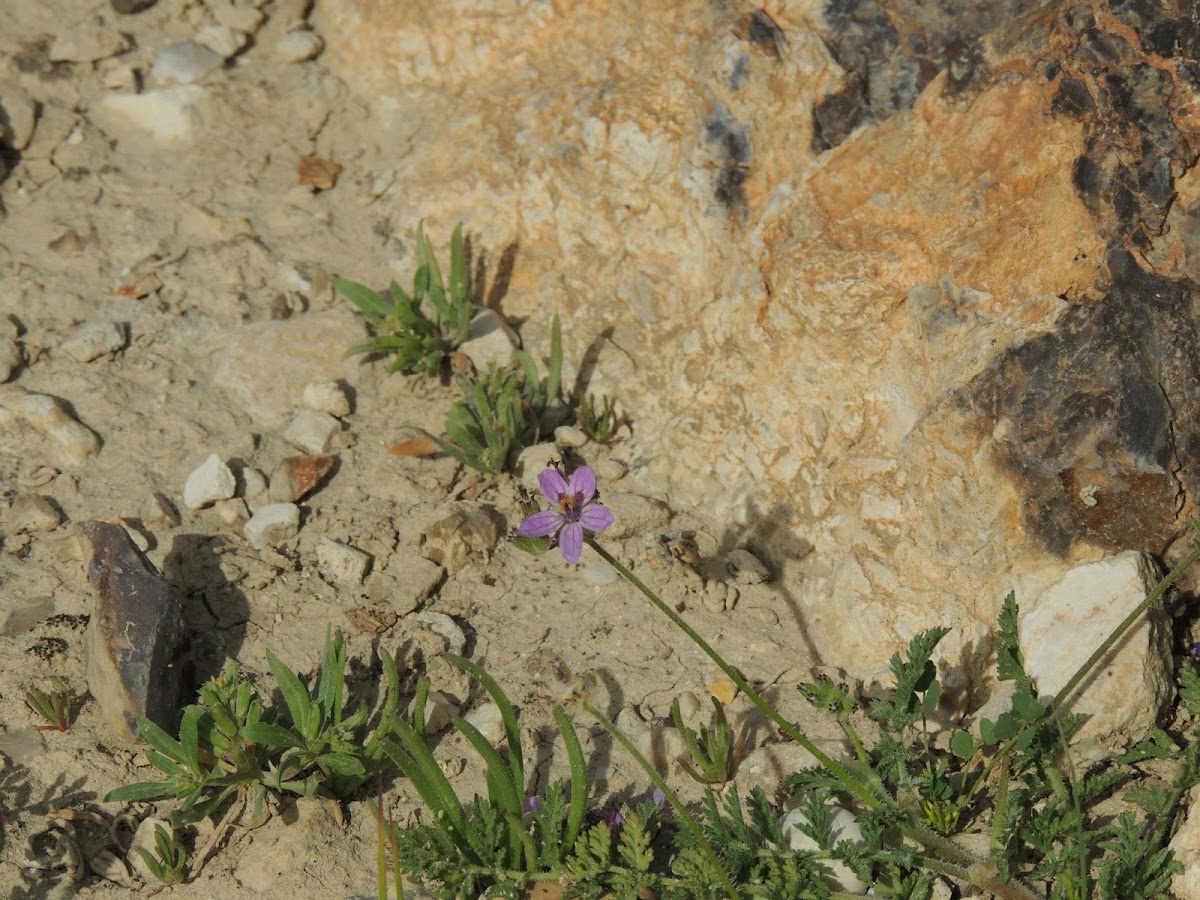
x,y
598,574
532,461
439,710
158,510
20,116
91,340
87,42
327,397
232,512
341,565
299,46
611,470
10,357
311,430
444,626
222,39
32,512
487,343
167,115
489,722
185,63
75,441
209,482
746,567
569,436
273,524
254,483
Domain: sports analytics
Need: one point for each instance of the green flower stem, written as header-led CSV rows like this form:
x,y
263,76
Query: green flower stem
x,y
676,804
973,870
867,796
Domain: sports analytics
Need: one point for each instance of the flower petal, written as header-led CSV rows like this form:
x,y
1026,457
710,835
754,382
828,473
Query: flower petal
x,y
583,483
570,542
553,484
595,517
541,524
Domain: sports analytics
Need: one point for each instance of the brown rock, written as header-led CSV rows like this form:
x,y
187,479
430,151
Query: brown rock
x,y
469,530
299,476
132,642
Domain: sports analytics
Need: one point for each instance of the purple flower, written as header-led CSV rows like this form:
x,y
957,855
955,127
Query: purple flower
x,y
613,819
532,804
658,797
573,510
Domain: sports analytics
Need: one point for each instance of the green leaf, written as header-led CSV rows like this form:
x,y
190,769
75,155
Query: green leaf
x,y
272,736
295,695
331,682
161,741
369,302
962,745
508,717
142,790
1026,706
554,378
460,279
346,764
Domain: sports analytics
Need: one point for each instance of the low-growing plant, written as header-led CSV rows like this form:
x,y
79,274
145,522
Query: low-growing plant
x,y
502,408
235,748
714,752
169,859
54,706
419,329
598,419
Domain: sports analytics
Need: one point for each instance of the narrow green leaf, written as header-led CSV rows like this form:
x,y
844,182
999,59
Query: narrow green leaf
x,y
295,694
142,790
161,741
369,302
272,736
460,278
332,679
508,717
579,777
554,378
346,764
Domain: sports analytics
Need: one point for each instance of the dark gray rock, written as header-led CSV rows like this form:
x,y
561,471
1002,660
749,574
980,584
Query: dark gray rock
x,y
132,644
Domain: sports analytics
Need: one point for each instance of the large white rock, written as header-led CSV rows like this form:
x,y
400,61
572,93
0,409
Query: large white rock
x,y
209,482
1063,626
272,524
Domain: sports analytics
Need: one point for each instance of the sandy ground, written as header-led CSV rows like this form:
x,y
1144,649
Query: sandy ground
x,y
186,246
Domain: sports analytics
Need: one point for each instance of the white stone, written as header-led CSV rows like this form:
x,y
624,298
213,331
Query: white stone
x,y
569,436
222,39
405,583
253,483
341,565
209,482
232,512
1186,846
444,626
74,441
91,340
311,430
327,397
440,708
299,46
30,513
158,510
87,42
767,766
240,18
843,827
531,462
273,524
609,469
598,574
169,114
184,63
143,839
746,567
19,116
10,357
1062,627
487,342
488,720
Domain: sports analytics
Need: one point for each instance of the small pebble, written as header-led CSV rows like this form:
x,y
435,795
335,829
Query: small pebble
x,y
10,357
185,63
468,530
341,565
87,42
116,75
713,598
247,19
20,116
169,114
569,436
443,626
209,482
532,461
222,40
74,441
746,567
327,397
232,512
31,513
439,710
143,839
598,574
298,476
488,720
158,510
610,469
311,430
689,710
273,524
91,340
723,688
253,482
299,46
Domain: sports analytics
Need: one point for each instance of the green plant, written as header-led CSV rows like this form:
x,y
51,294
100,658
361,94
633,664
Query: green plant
x,y
418,338
168,861
54,707
502,408
599,422
714,752
232,745
487,846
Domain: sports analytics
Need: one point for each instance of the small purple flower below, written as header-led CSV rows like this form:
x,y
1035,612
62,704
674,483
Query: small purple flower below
x,y
573,510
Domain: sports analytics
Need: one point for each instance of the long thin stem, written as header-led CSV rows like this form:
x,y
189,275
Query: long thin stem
x,y
867,796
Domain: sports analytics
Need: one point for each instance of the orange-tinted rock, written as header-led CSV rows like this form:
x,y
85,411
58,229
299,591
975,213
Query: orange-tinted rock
x,y
301,475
